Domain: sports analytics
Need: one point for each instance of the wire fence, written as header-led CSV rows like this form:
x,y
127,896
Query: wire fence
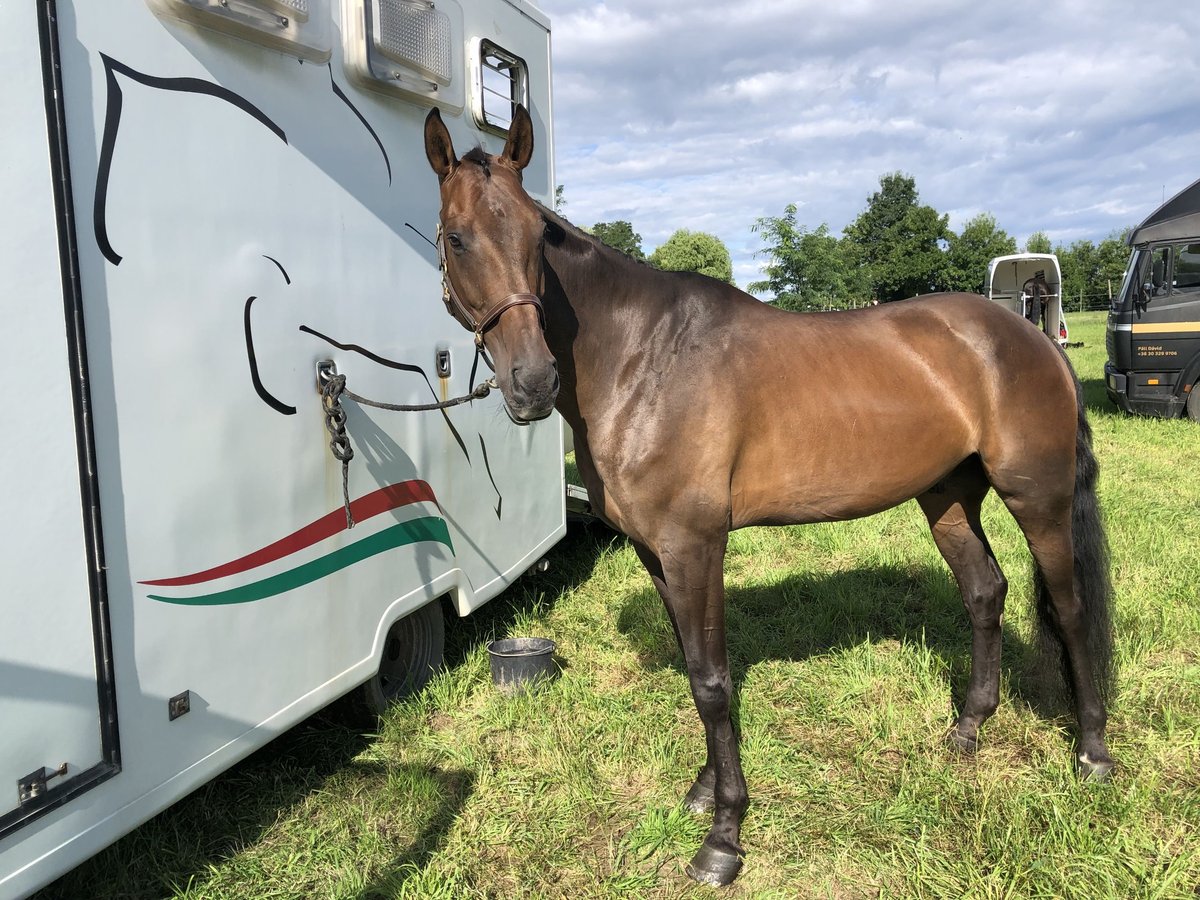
x,y
1070,303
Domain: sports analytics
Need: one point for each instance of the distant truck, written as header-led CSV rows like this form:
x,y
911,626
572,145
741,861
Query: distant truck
x,y
1011,282
1153,335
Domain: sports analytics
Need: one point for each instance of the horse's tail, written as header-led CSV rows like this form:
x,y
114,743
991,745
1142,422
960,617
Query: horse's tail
x,y
1093,585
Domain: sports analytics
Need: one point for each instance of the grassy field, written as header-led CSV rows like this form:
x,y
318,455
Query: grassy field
x,y
849,647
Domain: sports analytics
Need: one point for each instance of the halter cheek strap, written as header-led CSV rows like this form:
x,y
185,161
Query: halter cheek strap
x,y
459,311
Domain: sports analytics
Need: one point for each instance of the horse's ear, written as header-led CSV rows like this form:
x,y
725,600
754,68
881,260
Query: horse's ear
x,y
519,148
438,146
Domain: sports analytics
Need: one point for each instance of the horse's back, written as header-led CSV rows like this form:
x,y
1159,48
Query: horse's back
x,y
844,414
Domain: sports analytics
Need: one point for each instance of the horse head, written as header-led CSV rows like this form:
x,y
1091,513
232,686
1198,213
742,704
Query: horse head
x,y
491,237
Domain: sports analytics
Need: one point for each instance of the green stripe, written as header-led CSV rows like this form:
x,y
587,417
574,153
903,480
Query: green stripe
x,y
429,528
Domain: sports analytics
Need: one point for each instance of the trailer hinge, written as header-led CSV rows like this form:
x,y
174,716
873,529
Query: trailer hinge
x,y
33,785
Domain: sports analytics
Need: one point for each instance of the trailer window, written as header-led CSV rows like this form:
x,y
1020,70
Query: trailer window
x,y
1160,271
501,85
297,27
1187,269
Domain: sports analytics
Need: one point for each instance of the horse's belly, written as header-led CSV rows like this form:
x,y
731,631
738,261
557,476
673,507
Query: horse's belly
x,y
843,474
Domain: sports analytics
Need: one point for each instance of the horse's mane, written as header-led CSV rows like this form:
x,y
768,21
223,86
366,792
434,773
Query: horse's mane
x,y
480,157
561,233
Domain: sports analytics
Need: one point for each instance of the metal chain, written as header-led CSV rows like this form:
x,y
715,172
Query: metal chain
x,y
339,442
333,388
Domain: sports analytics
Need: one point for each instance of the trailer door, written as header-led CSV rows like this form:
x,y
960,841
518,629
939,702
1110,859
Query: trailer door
x,y
57,718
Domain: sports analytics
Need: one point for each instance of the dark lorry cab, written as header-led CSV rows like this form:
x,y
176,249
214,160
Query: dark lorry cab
x,y
1153,335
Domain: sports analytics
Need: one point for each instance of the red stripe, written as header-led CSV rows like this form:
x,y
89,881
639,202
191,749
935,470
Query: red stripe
x,y
380,501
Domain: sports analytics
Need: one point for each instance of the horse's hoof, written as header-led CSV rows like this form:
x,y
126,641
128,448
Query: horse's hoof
x,y
700,799
1095,770
713,866
962,743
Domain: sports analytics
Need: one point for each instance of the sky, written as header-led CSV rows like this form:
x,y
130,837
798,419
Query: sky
x,y
1073,118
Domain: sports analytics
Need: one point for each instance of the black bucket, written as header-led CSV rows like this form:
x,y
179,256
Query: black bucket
x,y
518,662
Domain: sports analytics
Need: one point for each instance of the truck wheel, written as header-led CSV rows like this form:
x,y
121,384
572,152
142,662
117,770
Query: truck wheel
x,y
1193,403
412,654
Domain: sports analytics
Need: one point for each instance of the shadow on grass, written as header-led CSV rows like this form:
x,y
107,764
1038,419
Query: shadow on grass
x,y
179,846
453,788
1095,398
812,614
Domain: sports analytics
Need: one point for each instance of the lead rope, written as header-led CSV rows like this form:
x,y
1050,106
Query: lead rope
x,y
333,388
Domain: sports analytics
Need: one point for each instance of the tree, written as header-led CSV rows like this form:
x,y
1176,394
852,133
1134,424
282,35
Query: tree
x,y
898,242
694,251
886,207
1111,258
805,269
1038,242
620,236
969,253
559,200
1091,273
914,262
1080,270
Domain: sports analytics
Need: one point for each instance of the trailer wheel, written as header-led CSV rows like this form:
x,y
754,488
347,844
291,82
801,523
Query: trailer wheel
x,y
1193,403
412,654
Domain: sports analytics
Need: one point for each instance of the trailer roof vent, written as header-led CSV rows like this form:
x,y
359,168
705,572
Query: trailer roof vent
x,y
501,83
415,35
297,27
409,47
297,8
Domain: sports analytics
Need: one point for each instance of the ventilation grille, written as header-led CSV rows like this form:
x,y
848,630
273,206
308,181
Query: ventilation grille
x,y
415,35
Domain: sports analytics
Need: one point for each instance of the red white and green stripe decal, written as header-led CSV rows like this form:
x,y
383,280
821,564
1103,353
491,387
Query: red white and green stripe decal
x,y
419,530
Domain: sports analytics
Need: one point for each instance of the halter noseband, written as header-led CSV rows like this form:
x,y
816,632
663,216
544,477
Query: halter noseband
x,y
459,311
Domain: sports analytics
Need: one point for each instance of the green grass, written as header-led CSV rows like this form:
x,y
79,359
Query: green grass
x,y
849,646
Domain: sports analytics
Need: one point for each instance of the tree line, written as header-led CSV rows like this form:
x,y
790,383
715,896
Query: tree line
x,y
897,247
683,251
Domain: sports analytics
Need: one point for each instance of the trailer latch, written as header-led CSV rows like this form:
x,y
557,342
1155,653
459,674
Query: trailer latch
x,y
33,785
326,370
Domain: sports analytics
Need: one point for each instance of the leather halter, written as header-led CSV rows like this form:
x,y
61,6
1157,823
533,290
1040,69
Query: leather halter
x,y
459,311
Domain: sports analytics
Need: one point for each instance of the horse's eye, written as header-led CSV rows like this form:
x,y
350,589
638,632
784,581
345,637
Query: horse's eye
x,y
454,241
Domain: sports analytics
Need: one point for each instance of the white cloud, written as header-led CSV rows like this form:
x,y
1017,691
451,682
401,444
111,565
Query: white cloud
x,y
1073,118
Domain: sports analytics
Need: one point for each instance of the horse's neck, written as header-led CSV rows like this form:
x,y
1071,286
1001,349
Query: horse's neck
x,y
597,304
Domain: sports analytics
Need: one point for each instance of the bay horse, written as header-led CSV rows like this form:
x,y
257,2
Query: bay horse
x,y
697,409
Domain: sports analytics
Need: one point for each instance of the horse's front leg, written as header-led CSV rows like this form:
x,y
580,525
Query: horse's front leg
x,y
688,572
701,796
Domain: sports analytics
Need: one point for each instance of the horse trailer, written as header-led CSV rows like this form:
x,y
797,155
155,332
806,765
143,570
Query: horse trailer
x,y
208,201
1022,281
1153,332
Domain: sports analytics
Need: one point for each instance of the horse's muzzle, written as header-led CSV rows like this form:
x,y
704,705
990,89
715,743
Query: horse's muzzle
x,y
531,392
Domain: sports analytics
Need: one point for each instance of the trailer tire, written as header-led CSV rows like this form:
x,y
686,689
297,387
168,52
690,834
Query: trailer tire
x,y
1193,403
412,655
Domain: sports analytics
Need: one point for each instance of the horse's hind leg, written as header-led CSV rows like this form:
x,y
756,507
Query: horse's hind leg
x,y
688,573
1050,541
953,512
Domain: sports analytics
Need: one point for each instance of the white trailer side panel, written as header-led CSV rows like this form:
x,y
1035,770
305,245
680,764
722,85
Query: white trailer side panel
x,y
48,682
241,215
